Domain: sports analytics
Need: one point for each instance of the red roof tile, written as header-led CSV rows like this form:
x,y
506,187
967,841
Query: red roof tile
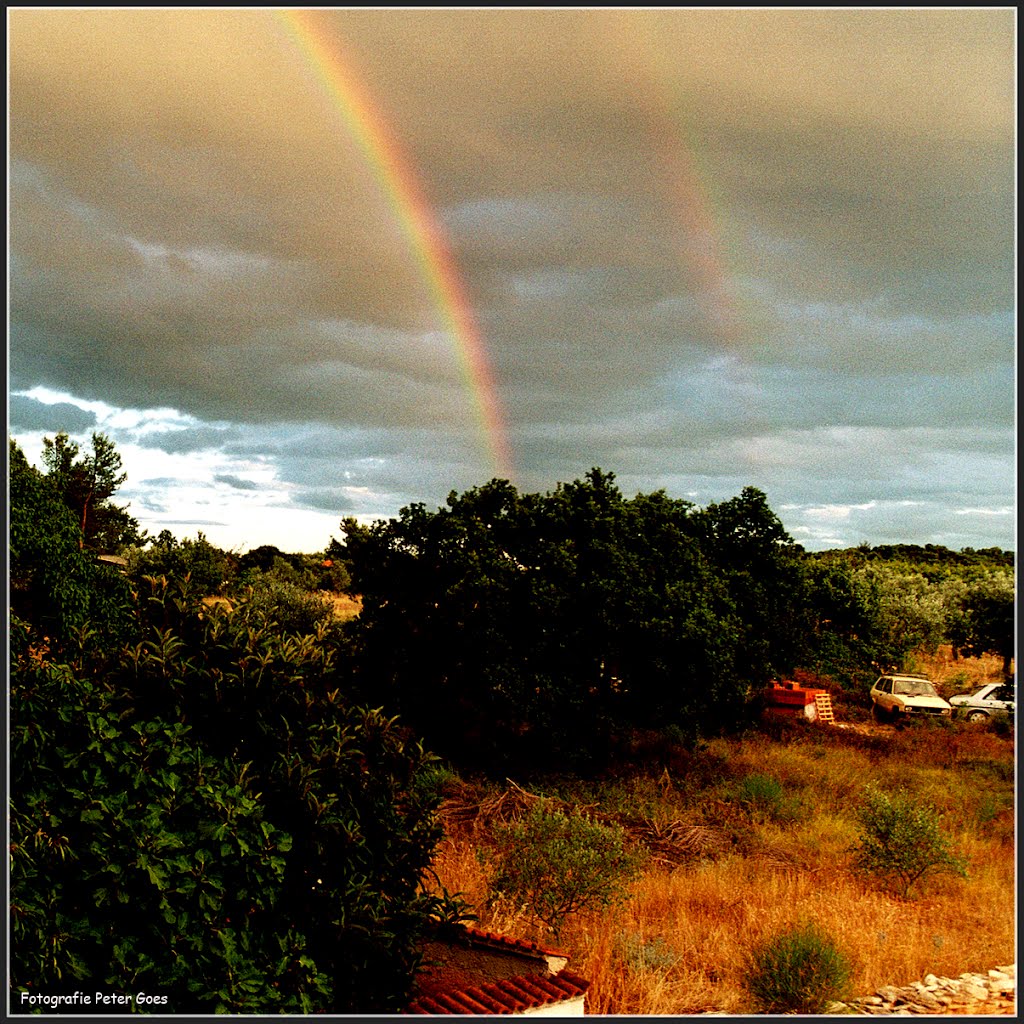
x,y
506,942
510,995
459,989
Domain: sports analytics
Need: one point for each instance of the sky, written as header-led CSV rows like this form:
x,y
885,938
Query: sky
x,y
300,266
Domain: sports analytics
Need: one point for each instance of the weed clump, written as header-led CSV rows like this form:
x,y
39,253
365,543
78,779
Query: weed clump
x,y
901,841
797,971
763,796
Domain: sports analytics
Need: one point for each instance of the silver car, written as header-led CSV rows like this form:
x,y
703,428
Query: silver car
x,y
987,702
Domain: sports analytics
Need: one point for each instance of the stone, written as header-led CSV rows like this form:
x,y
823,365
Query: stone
x,y
973,990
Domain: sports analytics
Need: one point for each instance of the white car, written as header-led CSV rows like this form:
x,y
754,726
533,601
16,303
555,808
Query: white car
x,y
900,697
985,703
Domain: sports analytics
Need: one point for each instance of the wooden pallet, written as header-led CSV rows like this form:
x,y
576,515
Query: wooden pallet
x,y
823,702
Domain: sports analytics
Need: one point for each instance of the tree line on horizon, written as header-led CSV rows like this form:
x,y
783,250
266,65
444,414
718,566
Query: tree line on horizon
x,y
207,795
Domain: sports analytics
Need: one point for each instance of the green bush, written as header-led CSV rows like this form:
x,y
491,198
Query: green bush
x,y
901,841
764,797
558,864
204,816
288,606
797,971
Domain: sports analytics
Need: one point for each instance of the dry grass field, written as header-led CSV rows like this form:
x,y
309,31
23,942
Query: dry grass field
x,y
738,874
346,606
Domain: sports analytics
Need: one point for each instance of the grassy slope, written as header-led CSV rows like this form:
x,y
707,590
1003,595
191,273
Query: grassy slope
x,y
679,943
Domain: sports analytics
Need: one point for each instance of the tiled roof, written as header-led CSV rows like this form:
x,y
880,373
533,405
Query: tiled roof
x,y
510,995
518,986
479,936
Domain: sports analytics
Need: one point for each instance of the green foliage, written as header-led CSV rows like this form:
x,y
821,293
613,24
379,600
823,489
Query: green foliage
x,y
983,619
764,797
201,813
308,572
872,608
559,864
86,484
761,567
901,841
507,625
55,586
286,605
799,970
208,567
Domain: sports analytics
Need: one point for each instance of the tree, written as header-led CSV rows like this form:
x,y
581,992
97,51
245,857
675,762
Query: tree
x,y
207,566
902,841
86,485
984,621
56,588
763,572
201,814
843,631
507,626
560,864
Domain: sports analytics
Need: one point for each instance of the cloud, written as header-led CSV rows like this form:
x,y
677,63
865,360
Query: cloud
x,y
236,482
703,248
27,414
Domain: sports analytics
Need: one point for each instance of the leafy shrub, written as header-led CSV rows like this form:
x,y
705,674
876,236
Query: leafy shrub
x,y
287,605
207,566
558,864
203,815
901,841
797,971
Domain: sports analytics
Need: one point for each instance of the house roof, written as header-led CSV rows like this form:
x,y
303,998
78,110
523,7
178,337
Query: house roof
x,y
478,972
510,995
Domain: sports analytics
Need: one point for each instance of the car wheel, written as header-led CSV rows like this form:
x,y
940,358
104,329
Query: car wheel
x,y
977,716
878,712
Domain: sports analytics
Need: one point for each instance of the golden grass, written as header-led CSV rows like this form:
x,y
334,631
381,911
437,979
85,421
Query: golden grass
x,y
346,606
680,942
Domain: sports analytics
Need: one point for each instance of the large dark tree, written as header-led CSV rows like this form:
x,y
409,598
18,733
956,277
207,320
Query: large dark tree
x,y
762,569
535,626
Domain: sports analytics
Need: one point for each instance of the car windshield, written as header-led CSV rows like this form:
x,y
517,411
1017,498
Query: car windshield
x,y
914,688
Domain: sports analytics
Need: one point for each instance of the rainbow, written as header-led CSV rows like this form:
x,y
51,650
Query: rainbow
x,y
675,160
413,214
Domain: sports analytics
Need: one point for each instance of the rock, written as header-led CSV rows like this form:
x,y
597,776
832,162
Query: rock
x,y
974,990
971,994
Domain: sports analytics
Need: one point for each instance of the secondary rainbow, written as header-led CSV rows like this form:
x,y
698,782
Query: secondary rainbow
x,y
427,242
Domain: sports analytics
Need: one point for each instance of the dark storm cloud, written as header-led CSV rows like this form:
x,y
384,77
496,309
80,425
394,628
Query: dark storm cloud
x,y
703,246
27,414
